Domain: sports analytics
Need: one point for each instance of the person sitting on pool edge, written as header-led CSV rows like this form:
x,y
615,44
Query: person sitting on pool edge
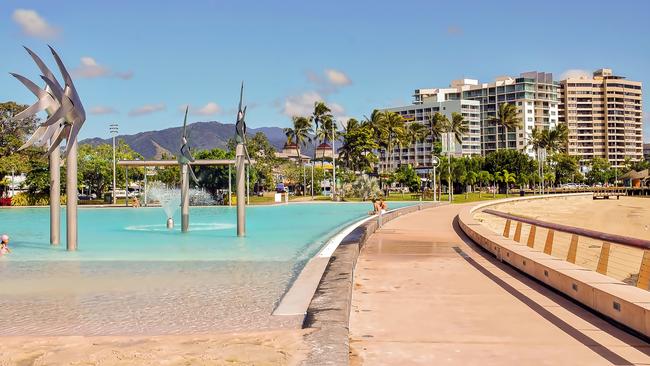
x,y
4,245
375,207
382,205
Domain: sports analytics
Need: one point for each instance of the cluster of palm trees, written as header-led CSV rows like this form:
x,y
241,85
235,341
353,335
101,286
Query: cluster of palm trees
x,y
389,130
317,128
383,132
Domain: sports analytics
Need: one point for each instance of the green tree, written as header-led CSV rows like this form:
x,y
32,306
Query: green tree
x,y
600,172
358,145
506,117
394,127
416,133
506,178
458,126
566,167
408,177
484,177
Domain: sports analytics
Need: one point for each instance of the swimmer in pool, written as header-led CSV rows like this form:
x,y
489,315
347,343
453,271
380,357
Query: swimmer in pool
x,y
4,245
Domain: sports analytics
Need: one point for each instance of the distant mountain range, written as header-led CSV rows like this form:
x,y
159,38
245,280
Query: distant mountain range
x,y
203,135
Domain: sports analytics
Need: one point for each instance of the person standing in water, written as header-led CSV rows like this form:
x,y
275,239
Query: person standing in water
x,y
4,245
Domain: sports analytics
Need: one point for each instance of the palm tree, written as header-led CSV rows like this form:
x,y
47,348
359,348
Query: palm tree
x,y
505,177
470,179
321,113
298,134
507,118
458,126
346,149
483,177
324,133
377,124
437,124
394,126
416,133
558,138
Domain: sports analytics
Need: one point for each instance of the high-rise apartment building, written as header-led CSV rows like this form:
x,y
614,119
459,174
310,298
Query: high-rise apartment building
x,y
535,95
604,117
646,151
420,154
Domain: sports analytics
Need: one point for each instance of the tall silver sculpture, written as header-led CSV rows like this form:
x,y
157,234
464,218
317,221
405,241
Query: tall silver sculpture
x,y
66,116
241,155
184,159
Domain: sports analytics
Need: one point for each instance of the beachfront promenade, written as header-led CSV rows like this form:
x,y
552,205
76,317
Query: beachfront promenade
x,y
424,294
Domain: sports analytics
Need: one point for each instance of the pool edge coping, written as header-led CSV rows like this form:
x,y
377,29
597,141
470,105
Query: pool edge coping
x,y
328,306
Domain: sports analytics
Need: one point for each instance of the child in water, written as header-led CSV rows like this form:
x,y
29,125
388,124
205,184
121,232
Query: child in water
x,y
4,245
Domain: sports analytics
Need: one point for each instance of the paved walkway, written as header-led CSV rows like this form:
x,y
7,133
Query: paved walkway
x,y
425,295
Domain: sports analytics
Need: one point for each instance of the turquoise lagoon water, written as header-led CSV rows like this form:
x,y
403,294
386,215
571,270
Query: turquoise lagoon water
x,y
131,275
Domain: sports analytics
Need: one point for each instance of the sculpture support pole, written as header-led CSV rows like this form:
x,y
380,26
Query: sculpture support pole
x,y
240,181
71,199
55,197
185,198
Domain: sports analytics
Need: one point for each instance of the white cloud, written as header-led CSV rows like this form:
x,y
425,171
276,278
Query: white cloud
x,y
300,105
575,74
90,68
33,25
337,78
303,105
209,109
337,109
100,109
146,109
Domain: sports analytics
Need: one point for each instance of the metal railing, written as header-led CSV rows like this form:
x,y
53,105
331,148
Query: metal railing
x,y
621,257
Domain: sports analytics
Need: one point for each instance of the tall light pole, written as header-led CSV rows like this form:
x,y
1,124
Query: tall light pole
x,y
451,189
113,129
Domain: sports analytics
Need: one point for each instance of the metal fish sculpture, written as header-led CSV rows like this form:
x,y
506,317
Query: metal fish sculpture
x,y
66,114
240,125
185,156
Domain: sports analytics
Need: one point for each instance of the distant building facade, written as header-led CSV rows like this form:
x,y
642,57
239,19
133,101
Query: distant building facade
x,y
604,117
535,95
646,151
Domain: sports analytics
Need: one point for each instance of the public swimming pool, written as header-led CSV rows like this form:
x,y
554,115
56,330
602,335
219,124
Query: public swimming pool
x,y
133,276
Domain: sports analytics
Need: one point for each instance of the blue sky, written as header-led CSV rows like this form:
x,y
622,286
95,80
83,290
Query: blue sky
x,y
138,62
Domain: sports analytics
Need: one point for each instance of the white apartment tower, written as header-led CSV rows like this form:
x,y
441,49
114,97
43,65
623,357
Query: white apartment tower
x,y
535,95
420,154
604,117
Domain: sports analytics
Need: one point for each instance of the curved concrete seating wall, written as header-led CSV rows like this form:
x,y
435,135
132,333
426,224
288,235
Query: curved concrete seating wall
x,y
614,299
329,310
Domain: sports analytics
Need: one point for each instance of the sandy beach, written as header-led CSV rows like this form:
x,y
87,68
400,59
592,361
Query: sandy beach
x,y
629,216
285,347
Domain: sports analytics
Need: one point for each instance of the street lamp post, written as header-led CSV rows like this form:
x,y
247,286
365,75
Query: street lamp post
x,y
113,130
450,184
435,161
333,186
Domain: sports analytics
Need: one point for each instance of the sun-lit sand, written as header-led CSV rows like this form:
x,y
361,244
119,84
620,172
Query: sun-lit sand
x,y
284,347
628,216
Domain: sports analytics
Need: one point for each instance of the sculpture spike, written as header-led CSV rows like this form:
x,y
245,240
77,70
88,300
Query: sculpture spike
x,y
46,71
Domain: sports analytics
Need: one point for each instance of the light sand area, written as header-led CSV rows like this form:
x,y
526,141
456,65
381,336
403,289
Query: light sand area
x,y
282,347
629,216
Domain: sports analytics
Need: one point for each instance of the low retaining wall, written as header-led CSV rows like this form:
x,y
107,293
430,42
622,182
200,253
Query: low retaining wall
x,y
627,305
329,310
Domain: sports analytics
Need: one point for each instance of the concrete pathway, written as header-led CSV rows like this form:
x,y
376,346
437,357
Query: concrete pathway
x,y
425,295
